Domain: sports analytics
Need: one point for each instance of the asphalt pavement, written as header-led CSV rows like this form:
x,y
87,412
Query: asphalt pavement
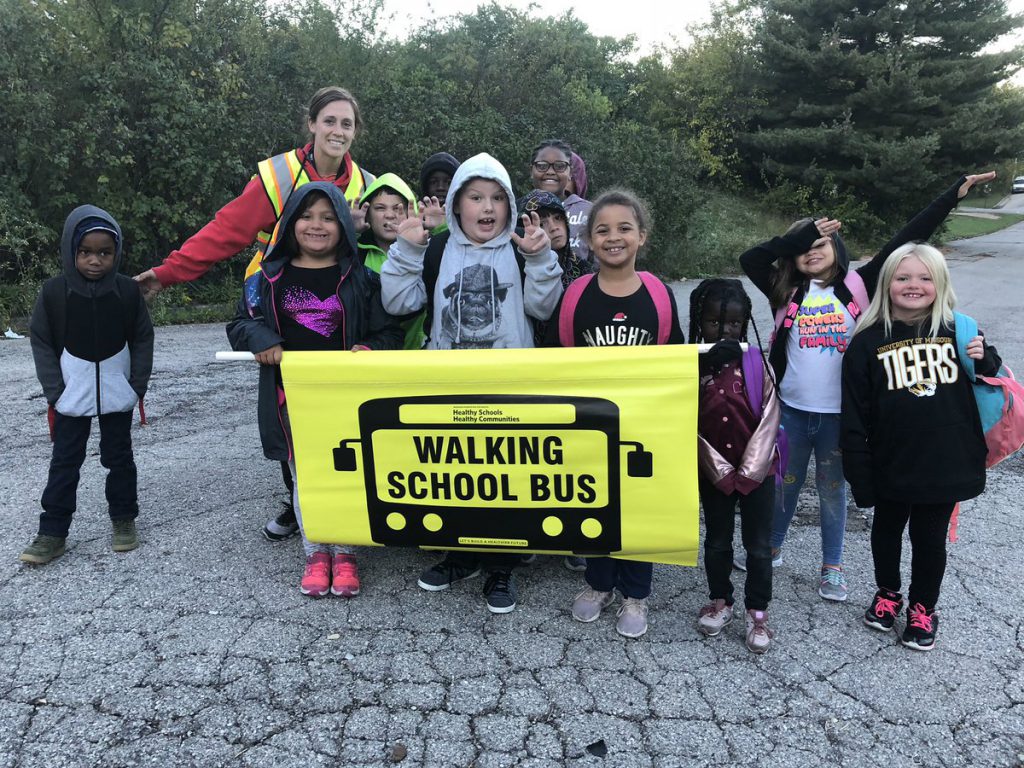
x,y
197,649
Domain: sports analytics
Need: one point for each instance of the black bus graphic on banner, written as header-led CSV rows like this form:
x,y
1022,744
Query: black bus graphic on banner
x,y
494,471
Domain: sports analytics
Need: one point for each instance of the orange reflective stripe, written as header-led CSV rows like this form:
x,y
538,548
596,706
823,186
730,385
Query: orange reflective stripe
x,y
254,265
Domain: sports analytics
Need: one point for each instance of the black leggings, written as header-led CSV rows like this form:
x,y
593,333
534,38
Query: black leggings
x,y
929,524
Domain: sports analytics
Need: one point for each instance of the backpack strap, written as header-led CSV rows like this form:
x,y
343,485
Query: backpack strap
x,y
567,313
965,328
858,304
662,304
753,379
785,315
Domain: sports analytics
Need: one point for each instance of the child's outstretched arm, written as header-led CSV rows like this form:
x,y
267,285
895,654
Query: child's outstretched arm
x,y
401,276
854,421
758,262
543,286
46,358
923,225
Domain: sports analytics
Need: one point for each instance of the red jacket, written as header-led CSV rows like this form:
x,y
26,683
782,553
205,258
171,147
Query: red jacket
x,y
235,227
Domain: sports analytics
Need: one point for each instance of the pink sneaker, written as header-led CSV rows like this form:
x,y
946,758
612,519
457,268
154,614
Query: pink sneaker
x,y
316,579
345,576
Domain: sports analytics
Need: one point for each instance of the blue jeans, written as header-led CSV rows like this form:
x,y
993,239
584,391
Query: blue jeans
x,y
819,432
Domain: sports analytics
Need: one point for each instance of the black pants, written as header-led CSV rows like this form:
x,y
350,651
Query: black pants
x,y
929,524
70,436
756,513
631,577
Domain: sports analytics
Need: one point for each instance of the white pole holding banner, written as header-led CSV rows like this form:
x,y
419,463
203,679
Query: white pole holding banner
x,y
241,357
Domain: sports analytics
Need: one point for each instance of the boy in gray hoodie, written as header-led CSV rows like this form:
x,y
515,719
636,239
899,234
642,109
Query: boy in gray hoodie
x,y
481,283
92,341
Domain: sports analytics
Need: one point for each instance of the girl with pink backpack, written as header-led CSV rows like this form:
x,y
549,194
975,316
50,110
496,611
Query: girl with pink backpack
x,y
818,299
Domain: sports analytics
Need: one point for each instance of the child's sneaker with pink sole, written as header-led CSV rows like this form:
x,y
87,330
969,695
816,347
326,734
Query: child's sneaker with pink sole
x,y
316,579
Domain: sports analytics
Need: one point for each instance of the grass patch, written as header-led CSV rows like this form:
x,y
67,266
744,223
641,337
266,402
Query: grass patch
x,y
960,227
722,228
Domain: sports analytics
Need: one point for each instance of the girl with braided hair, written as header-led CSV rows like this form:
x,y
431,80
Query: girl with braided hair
x,y
738,456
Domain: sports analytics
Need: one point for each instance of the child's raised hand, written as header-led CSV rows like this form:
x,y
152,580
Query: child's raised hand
x,y
412,230
432,212
975,178
534,240
358,213
976,348
270,356
827,226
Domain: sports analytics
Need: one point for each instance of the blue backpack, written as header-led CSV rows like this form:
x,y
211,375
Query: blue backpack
x,y
1000,399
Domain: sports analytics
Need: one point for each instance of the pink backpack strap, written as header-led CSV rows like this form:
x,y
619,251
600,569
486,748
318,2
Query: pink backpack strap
x,y
567,314
785,315
662,304
855,284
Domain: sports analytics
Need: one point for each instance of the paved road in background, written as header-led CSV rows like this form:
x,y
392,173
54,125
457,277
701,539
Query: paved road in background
x,y
197,649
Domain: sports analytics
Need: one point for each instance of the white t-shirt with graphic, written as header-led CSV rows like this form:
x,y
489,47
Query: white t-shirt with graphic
x,y
814,352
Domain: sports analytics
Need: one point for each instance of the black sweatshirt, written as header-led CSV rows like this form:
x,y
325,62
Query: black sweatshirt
x,y
909,429
759,262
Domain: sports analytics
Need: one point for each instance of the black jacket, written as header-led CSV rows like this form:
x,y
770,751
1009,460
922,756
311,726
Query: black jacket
x,y
759,262
255,327
909,429
92,340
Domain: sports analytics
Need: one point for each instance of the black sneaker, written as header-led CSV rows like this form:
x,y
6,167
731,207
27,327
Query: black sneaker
x,y
500,591
282,527
575,563
922,626
885,607
447,572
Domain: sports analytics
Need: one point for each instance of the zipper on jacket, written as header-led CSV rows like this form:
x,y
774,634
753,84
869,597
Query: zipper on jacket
x,y
95,348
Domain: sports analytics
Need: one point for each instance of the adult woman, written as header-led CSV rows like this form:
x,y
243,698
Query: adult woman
x,y
334,122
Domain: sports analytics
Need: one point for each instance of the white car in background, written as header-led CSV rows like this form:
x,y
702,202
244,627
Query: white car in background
x,y
1018,185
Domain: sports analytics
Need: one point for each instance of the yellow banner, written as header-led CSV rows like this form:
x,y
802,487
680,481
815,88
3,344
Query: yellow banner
x,y
557,451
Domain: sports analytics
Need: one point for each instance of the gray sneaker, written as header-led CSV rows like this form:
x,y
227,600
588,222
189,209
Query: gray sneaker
x,y
713,617
632,617
739,560
589,603
126,538
42,550
575,563
833,584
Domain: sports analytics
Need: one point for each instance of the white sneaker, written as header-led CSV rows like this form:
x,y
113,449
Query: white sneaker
x,y
713,617
759,637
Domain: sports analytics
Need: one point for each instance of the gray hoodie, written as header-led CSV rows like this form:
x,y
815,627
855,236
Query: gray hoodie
x,y
480,300
92,340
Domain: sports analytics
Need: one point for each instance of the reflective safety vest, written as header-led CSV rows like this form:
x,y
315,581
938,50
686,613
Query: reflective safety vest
x,y
281,175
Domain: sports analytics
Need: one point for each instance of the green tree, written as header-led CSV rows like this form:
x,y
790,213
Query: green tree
x,y
878,100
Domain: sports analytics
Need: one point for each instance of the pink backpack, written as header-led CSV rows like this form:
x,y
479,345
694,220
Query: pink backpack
x,y
654,286
1000,399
